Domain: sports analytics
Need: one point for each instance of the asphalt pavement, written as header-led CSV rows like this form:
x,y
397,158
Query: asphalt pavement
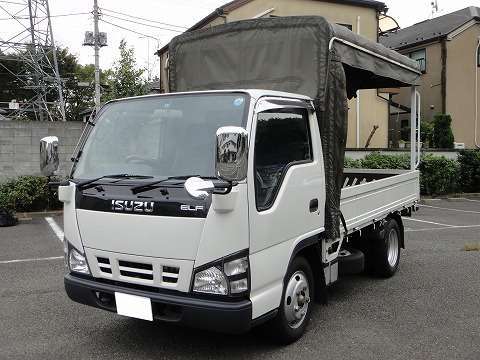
x,y
429,310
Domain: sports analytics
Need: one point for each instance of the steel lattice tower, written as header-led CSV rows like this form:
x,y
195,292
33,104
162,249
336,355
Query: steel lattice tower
x,y
26,37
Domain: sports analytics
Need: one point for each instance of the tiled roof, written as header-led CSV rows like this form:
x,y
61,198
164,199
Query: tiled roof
x,y
429,30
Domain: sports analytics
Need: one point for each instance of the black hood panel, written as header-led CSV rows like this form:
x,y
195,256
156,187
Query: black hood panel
x,y
163,201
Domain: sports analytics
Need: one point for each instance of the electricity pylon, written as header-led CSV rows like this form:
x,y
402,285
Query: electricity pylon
x,y
28,54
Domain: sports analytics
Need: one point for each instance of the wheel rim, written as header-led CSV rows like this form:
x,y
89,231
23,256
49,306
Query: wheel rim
x,y
392,247
297,299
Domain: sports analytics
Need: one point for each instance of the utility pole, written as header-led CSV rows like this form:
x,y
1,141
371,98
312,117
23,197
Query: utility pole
x,y
96,39
97,55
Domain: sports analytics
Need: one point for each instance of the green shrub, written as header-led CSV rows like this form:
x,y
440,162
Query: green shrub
x,y
350,163
27,193
469,172
438,175
375,160
442,132
426,133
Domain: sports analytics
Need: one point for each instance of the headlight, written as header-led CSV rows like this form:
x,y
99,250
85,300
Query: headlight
x,y
77,262
227,276
211,281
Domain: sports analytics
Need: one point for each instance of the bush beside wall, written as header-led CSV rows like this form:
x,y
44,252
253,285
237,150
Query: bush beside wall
x,y
469,171
28,193
438,175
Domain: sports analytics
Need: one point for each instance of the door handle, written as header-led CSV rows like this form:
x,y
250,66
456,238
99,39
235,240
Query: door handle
x,y
313,205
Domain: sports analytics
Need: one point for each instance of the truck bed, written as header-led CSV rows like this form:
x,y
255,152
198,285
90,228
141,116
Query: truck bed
x,y
371,194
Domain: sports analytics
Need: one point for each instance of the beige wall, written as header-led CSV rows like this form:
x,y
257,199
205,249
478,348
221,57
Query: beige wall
x,y
430,84
461,67
460,84
373,110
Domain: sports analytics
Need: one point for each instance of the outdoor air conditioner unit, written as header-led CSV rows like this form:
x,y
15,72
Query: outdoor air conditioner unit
x,y
458,146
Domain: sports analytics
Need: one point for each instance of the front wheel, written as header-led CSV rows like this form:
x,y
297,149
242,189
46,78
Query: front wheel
x,y
296,305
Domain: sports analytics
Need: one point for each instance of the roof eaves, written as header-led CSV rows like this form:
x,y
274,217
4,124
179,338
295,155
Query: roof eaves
x,y
419,43
378,5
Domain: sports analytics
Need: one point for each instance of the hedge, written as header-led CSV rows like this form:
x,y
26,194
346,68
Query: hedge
x,y
469,171
27,193
438,175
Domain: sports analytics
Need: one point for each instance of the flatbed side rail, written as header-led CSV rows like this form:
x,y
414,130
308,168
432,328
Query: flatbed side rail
x,y
367,203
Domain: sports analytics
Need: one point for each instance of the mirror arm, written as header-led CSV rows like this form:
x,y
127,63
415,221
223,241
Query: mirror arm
x,y
56,184
223,187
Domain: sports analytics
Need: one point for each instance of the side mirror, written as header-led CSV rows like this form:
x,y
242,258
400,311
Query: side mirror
x,y
232,153
49,155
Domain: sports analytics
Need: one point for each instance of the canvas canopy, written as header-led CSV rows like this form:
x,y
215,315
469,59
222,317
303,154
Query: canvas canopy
x,y
304,55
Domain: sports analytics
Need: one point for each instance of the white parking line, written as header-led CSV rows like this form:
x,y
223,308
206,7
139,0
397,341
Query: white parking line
x,y
442,208
427,222
29,260
55,228
444,228
464,199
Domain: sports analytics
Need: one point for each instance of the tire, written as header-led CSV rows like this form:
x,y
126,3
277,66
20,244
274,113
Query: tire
x,y
298,291
384,254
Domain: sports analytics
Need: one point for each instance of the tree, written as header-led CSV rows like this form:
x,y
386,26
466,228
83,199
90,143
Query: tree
x,y
442,132
125,79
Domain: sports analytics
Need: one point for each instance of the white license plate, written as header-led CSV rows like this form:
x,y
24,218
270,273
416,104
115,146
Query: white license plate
x,y
134,306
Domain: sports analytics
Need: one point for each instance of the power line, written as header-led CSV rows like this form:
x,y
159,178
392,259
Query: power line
x,y
127,29
41,17
144,19
11,2
139,23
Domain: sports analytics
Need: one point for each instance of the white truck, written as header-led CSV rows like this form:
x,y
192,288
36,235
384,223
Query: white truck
x,y
207,208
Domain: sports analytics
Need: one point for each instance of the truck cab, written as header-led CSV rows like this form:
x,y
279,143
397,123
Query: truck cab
x,y
195,257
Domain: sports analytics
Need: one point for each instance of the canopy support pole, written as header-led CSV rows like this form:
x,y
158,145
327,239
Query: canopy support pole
x,y
413,127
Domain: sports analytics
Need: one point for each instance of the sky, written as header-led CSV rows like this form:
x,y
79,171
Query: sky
x,y
69,30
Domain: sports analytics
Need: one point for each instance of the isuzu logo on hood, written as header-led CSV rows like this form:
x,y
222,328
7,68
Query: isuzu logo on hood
x,y
133,206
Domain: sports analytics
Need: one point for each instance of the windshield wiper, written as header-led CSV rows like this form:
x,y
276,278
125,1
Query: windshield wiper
x,y
83,185
141,188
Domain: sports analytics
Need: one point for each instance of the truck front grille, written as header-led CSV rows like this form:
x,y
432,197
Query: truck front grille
x,y
135,270
174,274
170,274
104,265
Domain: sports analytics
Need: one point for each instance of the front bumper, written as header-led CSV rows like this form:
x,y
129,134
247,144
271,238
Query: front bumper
x,y
221,316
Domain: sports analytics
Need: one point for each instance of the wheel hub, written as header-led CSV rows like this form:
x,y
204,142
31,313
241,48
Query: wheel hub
x,y
297,298
392,256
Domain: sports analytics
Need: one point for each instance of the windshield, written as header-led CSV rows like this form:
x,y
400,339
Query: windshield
x,y
160,136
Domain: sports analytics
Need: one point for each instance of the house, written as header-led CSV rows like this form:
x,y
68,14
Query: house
x,y
361,16
446,49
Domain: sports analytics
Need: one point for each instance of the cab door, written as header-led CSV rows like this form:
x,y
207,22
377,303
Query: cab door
x,y
286,193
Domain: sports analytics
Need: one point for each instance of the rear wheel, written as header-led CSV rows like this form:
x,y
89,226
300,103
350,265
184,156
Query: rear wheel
x,y
384,255
296,305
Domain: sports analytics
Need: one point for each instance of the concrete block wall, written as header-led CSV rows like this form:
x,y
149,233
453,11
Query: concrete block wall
x,y
20,146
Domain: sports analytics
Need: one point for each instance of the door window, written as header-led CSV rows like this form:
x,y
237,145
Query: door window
x,y
282,140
